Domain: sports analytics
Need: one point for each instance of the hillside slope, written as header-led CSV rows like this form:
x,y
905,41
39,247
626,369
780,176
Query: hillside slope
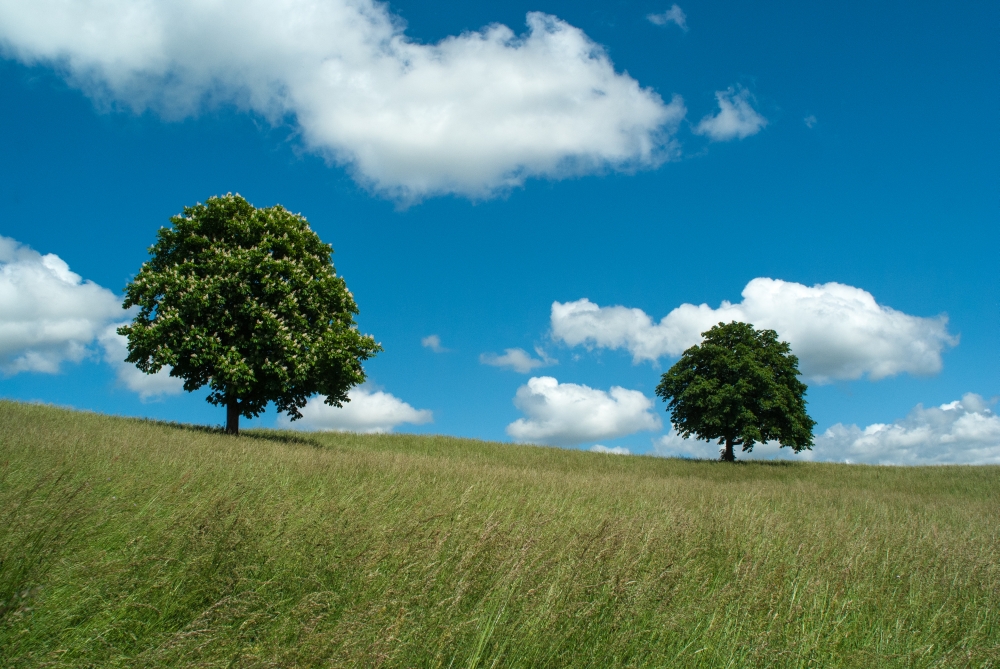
x,y
133,543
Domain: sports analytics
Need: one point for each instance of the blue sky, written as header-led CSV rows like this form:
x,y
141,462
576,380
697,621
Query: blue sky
x,y
859,148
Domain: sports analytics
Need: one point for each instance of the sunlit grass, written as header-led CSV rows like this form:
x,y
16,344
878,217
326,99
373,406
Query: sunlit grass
x,y
131,543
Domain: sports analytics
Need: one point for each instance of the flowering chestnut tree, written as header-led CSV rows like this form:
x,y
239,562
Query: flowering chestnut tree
x,y
247,301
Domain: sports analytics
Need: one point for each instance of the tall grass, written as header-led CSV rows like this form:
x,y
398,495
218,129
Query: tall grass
x,y
132,543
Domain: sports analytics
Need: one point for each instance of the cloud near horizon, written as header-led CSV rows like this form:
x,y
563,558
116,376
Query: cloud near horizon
x,y
473,115
566,414
965,431
147,386
369,411
838,332
617,450
48,314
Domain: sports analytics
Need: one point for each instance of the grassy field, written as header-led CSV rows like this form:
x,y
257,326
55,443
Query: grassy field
x,y
132,543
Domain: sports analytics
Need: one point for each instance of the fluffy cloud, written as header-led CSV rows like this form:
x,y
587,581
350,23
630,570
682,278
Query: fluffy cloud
x,y
48,314
473,114
368,411
672,445
433,342
837,331
674,15
517,359
736,117
148,386
565,414
961,432
617,450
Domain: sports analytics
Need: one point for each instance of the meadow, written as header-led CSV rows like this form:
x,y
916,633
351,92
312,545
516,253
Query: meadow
x,y
131,543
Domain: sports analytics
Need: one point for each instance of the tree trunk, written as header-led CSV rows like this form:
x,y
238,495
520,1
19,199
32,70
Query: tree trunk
x,y
233,416
728,455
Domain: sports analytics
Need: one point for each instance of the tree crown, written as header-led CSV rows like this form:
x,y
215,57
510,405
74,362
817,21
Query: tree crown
x,y
247,301
740,386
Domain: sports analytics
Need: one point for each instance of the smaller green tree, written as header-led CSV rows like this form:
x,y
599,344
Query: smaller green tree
x,y
740,386
247,301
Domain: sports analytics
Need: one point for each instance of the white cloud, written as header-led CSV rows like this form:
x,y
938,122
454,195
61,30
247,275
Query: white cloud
x,y
473,114
565,414
837,331
617,450
810,121
736,117
673,15
368,411
672,445
148,386
961,432
433,342
48,314
517,359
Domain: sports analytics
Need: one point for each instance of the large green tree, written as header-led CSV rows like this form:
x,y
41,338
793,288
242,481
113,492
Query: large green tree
x,y
247,301
740,386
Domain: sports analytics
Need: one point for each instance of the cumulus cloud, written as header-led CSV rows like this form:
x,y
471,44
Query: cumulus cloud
x,y
148,386
961,432
810,121
737,119
565,414
837,331
433,342
473,114
48,314
368,411
674,15
517,359
672,445
965,431
617,450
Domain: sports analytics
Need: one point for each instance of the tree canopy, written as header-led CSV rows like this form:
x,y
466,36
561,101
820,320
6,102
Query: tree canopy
x,y
247,301
740,386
